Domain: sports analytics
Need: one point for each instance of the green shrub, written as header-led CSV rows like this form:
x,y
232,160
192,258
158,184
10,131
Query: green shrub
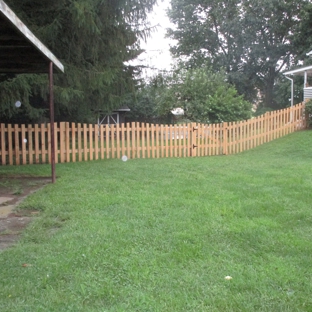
x,y
308,111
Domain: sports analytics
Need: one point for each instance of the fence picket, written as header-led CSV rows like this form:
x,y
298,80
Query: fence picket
x,y
107,135
128,140
112,137
149,146
79,141
85,142
73,142
49,142
101,139
213,138
43,146
56,152
122,139
117,141
16,148
10,141
3,145
96,142
153,140
91,144
36,138
143,140
62,141
67,142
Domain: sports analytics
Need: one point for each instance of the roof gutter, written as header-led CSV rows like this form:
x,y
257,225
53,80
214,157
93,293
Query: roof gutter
x,y
292,90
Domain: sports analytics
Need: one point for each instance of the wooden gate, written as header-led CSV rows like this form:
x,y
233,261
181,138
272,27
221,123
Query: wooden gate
x,y
208,139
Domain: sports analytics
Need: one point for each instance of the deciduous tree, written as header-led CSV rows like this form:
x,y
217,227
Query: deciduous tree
x,y
252,40
204,95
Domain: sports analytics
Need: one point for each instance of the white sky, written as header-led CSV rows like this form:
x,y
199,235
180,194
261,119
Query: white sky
x,y
157,53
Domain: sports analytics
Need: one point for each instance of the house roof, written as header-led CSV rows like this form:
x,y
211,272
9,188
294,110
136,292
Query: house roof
x,y
20,50
124,108
299,71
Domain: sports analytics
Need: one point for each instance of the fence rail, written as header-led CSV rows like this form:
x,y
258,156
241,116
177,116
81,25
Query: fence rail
x,y
20,144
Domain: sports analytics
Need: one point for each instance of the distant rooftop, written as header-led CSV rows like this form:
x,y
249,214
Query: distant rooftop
x,y
299,71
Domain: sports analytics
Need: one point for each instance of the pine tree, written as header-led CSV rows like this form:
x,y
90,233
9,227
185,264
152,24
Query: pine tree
x,y
93,39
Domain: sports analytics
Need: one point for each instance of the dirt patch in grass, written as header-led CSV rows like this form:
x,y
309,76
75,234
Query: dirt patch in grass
x,y
15,189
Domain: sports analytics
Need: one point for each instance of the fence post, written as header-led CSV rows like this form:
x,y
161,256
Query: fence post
x,y
193,148
225,137
189,140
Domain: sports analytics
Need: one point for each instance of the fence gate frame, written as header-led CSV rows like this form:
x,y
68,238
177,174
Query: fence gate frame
x,y
200,133
194,140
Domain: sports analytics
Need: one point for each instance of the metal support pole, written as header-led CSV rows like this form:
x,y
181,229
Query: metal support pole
x,y
51,102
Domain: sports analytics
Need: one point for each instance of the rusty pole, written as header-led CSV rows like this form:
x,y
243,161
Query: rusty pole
x,y
51,101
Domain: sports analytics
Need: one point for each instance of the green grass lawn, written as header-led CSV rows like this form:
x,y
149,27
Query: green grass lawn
x,y
162,234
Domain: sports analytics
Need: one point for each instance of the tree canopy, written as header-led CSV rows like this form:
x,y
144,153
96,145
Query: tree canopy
x,y
205,96
252,40
94,39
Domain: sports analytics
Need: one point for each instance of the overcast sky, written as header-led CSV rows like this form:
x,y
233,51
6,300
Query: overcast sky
x,y
157,53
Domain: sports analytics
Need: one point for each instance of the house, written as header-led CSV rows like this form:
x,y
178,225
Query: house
x,y
306,72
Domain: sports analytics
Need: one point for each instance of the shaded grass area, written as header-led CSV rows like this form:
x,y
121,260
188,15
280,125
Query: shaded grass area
x,y
161,235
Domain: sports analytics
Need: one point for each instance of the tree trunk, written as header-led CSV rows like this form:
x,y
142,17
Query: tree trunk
x,y
269,88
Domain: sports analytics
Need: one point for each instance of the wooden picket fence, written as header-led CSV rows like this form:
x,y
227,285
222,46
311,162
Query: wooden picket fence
x,y
20,144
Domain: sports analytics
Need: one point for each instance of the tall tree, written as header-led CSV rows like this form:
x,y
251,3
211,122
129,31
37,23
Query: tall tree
x,y
305,32
93,39
252,40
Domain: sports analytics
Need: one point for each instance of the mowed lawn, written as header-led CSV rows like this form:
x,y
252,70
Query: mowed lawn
x,y
162,235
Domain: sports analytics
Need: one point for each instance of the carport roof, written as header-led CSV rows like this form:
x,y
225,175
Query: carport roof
x,y
20,50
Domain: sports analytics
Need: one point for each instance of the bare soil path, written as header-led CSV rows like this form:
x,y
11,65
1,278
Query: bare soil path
x,y
13,190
